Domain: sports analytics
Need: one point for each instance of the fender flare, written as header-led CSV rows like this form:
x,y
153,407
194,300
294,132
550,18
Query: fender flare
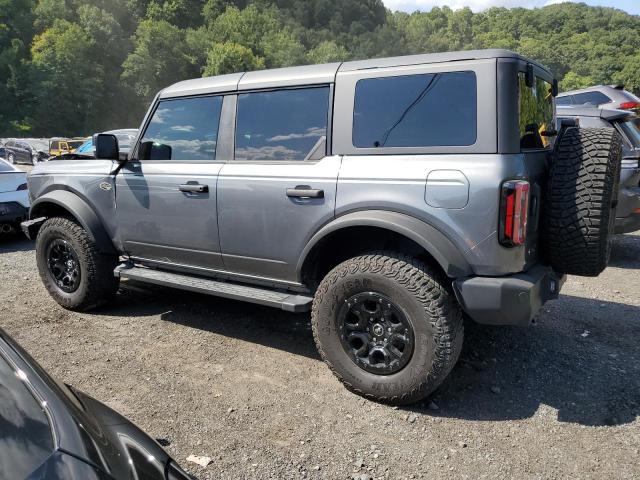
x,y
428,237
81,211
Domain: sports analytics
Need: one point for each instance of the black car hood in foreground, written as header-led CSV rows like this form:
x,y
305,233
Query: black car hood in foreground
x,y
91,440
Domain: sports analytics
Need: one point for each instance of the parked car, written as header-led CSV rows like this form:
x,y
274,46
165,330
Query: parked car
x,y
52,431
59,146
611,96
387,196
125,136
29,151
3,152
627,124
14,197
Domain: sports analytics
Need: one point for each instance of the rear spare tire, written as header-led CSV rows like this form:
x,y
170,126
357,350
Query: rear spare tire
x,y
579,211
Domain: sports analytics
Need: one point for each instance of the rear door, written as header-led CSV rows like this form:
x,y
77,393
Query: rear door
x,y
280,186
166,195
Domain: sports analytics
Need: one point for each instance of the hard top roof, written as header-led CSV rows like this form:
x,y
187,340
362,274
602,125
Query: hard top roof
x,y
319,74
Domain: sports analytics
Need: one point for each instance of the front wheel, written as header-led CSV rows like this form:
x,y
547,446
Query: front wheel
x,y
388,326
75,273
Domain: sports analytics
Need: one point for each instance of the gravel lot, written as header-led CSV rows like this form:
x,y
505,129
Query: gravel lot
x,y
244,385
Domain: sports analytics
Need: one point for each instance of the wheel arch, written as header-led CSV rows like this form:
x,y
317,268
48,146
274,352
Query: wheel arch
x,y
65,203
409,232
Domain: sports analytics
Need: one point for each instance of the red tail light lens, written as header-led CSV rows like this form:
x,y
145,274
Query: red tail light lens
x,y
629,105
22,186
514,210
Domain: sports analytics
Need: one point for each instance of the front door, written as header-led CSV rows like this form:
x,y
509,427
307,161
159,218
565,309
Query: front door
x,y
166,195
281,185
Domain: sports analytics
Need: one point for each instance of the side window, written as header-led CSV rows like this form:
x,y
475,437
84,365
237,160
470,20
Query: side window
x,y
590,98
182,129
416,111
55,145
25,441
562,101
281,124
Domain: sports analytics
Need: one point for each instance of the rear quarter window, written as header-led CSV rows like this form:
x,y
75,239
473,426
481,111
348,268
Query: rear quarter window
x,y
416,111
590,98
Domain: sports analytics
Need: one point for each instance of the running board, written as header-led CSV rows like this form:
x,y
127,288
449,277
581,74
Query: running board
x,y
283,300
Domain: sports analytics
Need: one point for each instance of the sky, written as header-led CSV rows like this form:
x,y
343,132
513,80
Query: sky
x,y
631,6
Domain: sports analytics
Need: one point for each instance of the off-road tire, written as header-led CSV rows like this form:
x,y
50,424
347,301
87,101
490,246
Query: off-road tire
x,y
580,201
430,306
97,282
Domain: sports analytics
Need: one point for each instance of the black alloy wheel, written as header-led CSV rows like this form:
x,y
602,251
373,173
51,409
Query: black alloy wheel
x,y
375,333
64,265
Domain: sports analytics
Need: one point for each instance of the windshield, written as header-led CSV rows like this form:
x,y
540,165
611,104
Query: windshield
x,y
75,143
631,130
537,116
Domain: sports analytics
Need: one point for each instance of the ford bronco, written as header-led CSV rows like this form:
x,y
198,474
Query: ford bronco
x,y
391,197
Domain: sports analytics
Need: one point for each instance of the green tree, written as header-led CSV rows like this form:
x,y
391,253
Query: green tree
x,y
66,80
326,52
160,57
230,58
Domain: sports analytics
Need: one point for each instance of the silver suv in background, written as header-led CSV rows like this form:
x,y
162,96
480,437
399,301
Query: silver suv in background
x,y
611,96
391,197
627,124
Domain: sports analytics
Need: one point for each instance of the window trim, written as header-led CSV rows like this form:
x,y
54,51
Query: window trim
x,y
147,120
328,149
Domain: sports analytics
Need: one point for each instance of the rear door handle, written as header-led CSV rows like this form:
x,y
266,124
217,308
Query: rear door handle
x,y
303,192
194,188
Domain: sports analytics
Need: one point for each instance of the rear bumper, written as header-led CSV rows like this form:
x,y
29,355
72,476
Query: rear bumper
x,y
511,300
13,212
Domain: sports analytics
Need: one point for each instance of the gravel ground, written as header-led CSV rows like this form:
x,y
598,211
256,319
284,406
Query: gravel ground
x,y
244,385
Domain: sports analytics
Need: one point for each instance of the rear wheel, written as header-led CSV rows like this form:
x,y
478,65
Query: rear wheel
x,y
12,159
388,327
580,203
75,273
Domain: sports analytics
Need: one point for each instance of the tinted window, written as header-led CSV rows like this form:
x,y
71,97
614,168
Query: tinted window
x,y
185,129
25,436
590,98
564,100
632,132
536,113
282,124
55,145
416,111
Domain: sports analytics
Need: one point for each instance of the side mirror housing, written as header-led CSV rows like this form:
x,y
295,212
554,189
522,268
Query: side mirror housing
x,y
106,146
530,79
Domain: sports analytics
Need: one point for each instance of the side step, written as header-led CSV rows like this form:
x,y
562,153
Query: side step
x,y
283,300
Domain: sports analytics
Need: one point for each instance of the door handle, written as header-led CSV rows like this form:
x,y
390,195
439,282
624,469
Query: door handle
x,y
193,188
305,192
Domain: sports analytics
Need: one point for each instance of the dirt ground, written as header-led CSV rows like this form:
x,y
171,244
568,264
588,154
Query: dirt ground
x,y
244,385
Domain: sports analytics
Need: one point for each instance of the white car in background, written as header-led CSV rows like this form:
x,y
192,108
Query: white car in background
x,y
14,197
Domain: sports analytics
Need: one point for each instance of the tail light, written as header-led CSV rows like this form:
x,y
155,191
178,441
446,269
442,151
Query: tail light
x,y
514,208
22,186
629,105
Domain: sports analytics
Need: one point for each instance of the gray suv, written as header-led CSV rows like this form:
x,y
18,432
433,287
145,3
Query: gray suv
x,y
391,197
610,96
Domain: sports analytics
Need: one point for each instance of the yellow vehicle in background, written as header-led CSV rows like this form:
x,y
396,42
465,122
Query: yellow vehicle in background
x,y
58,146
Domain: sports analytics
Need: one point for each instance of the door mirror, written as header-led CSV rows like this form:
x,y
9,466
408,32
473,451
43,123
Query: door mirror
x,y
106,146
154,151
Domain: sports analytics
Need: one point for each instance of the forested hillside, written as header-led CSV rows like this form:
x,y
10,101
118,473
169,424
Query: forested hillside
x,y
72,67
